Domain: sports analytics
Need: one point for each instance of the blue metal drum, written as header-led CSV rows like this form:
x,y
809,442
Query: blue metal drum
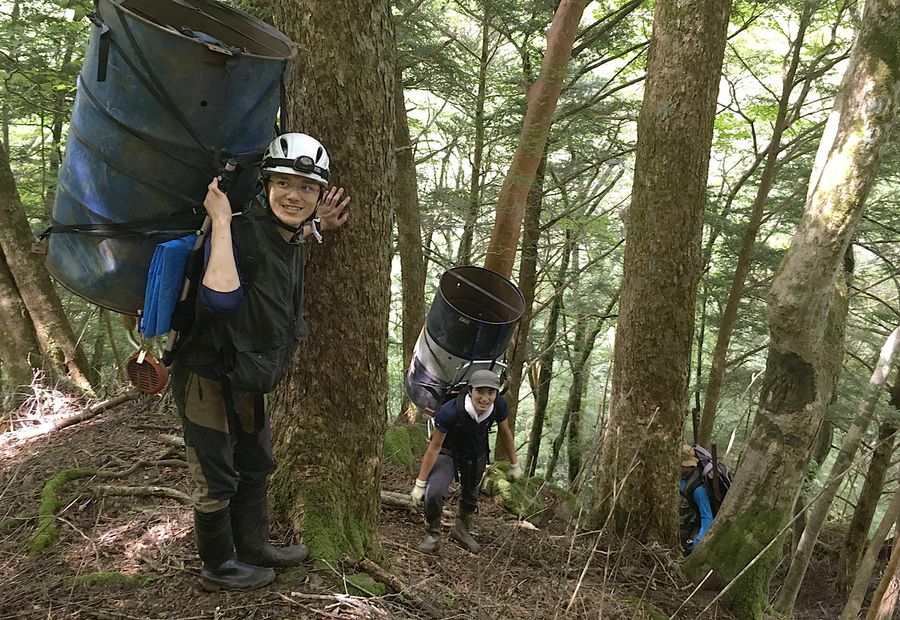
x,y
170,90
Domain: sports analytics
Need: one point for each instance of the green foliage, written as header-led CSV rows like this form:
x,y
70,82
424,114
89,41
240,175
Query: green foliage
x,y
397,449
362,584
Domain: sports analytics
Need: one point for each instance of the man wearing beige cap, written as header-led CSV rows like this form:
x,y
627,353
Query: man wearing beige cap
x,y
696,510
459,448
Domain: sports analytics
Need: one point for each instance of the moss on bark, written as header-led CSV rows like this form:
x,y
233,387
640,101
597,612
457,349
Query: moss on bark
x,y
47,533
735,545
362,584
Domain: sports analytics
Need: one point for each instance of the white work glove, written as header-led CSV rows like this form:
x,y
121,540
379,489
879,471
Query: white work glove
x,y
515,471
418,491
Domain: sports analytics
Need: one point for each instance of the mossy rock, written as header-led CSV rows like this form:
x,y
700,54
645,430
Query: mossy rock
x,y
521,497
362,584
397,450
111,578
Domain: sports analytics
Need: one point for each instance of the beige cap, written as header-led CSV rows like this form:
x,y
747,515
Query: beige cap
x,y
484,378
688,458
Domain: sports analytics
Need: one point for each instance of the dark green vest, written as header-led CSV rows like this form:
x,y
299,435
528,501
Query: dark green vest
x,y
252,346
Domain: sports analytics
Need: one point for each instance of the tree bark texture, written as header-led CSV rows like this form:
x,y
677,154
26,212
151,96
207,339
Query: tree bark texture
x,y
330,412
62,352
542,99
661,269
849,447
745,257
19,350
792,399
409,232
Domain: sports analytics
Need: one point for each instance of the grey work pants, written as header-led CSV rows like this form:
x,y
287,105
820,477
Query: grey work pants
x,y
446,468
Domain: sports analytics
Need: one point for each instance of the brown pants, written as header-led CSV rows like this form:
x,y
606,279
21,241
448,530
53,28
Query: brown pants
x,y
227,436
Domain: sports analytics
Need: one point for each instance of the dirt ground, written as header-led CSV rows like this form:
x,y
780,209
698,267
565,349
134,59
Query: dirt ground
x,y
145,545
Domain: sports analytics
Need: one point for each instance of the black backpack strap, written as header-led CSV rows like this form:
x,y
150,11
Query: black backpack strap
x,y
694,481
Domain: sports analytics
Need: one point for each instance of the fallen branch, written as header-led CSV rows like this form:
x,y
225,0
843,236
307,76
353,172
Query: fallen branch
x,y
143,491
403,500
142,463
396,584
95,410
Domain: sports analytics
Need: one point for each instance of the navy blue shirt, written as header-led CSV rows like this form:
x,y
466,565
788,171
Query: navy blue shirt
x,y
464,435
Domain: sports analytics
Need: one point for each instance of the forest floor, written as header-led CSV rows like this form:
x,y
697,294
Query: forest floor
x,y
134,557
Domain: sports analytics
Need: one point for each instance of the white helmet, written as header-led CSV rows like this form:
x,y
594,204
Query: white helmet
x,y
297,154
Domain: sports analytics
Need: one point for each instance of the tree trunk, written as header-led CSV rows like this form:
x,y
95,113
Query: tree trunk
x,y
62,352
792,401
464,257
584,346
542,99
330,411
545,373
867,503
661,269
745,257
409,233
881,607
555,448
867,565
19,350
518,349
849,447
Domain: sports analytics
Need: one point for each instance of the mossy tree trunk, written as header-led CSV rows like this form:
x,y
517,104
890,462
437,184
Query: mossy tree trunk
x,y
330,412
661,270
409,232
867,503
62,352
792,400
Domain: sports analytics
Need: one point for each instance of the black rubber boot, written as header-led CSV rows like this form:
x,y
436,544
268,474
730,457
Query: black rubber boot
x,y
460,532
216,548
432,541
250,525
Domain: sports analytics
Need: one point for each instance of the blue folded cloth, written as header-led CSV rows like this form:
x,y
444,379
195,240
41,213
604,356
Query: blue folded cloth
x,y
164,283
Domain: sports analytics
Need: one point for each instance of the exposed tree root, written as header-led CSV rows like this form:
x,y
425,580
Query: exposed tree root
x,y
47,532
143,491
